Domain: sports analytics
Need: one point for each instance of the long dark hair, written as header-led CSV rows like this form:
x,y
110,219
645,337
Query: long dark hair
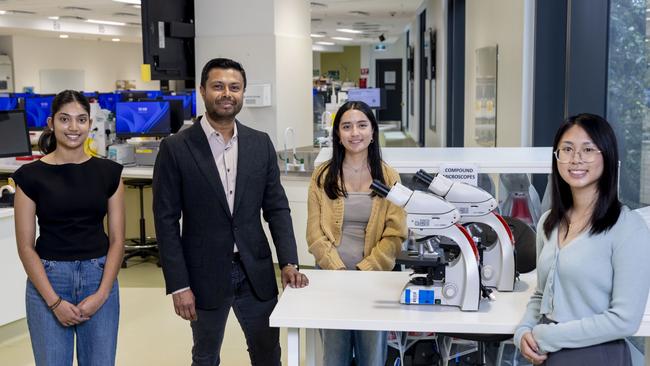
x,y
334,166
47,141
607,207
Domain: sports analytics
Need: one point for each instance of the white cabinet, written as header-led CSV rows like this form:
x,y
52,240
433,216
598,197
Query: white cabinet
x,y
296,189
12,274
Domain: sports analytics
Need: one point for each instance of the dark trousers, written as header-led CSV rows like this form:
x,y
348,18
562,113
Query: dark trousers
x,y
614,353
253,315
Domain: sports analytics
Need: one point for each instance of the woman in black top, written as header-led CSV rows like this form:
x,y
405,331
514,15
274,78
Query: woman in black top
x,y
72,266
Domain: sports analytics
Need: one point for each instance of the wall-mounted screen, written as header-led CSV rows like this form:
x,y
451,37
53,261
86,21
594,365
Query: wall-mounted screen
x,y
371,96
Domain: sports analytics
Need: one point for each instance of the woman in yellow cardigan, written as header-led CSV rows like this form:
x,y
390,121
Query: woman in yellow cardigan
x,y
348,228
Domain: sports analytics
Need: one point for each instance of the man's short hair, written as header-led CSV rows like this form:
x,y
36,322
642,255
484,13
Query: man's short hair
x,y
221,63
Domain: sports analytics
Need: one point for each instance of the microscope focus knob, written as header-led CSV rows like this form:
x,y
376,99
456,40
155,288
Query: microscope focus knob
x,y
449,291
488,272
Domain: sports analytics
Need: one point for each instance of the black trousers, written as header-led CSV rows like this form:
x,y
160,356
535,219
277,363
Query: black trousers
x,y
253,315
614,353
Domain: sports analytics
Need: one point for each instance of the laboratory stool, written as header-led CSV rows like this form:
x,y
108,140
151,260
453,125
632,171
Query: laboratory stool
x,y
142,246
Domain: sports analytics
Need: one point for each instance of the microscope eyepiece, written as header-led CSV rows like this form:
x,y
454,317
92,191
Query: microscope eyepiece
x,y
424,177
379,188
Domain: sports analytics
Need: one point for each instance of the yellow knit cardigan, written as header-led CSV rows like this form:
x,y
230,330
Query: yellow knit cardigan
x,y
385,232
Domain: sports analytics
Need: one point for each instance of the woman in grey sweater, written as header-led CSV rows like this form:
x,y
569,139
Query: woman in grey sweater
x,y
592,257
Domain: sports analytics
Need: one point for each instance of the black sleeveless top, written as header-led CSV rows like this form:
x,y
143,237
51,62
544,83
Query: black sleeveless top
x,y
71,203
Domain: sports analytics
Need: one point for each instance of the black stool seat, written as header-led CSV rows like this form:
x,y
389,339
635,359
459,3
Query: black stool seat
x,y
138,182
142,246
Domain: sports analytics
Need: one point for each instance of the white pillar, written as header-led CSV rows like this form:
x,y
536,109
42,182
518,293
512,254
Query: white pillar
x,y
270,38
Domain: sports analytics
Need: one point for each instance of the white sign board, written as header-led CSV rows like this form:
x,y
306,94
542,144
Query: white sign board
x,y
466,173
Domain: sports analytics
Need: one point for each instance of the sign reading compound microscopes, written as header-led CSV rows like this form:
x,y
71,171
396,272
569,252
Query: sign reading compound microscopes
x,y
465,173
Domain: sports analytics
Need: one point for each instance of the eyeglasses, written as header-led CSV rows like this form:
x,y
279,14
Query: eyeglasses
x,y
566,154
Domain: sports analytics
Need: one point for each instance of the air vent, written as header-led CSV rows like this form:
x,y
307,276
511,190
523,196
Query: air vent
x,y
75,8
122,14
317,5
360,13
71,17
316,20
24,12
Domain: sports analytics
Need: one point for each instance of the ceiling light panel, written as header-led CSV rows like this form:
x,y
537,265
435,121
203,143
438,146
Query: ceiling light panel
x,y
105,22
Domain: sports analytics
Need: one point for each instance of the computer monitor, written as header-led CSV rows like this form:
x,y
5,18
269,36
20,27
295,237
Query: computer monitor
x,y
194,103
134,95
176,112
373,97
37,109
108,100
134,119
14,137
8,103
186,101
89,95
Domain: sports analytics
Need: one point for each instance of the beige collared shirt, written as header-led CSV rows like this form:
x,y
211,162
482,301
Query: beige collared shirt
x,y
225,157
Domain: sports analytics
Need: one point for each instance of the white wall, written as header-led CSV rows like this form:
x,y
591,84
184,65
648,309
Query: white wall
x,y
103,62
489,23
273,49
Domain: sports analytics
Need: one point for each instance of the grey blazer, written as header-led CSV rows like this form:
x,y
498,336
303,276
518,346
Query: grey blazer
x,y
186,180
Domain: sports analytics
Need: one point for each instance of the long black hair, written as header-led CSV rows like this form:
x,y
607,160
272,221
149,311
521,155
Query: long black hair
x,y
607,207
47,141
334,166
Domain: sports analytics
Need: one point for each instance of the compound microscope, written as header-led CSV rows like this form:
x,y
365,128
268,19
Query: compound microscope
x,y
477,210
443,275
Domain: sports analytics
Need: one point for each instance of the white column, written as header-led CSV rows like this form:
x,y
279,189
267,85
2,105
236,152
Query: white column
x,y
270,38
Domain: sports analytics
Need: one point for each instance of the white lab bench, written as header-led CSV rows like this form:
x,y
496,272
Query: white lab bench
x,y
368,300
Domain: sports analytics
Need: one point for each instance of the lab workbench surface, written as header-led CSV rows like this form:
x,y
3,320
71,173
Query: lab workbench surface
x,y
369,301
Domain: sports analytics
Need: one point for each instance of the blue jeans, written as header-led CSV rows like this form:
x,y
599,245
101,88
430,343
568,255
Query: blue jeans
x,y
369,347
252,313
52,343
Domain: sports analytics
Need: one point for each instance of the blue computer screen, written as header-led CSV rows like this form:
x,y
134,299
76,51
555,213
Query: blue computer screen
x,y
91,94
37,110
107,101
194,102
8,103
142,119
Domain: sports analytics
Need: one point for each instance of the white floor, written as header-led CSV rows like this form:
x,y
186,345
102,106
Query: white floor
x,y
150,332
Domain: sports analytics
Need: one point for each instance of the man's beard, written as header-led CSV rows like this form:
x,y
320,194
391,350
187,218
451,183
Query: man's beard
x,y
211,111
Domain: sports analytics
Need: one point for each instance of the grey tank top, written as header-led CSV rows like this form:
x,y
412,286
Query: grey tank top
x,y
358,206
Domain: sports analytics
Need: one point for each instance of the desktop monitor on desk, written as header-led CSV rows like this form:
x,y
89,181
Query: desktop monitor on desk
x,y
14,136
108,100
8,103
134,95
37,109
373,97
187,104
140,119
176,112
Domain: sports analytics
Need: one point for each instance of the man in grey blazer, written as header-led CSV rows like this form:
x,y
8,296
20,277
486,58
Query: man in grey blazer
x,y
219,174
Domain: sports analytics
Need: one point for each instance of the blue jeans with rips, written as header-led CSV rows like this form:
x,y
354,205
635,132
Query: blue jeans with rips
x,y
96,338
